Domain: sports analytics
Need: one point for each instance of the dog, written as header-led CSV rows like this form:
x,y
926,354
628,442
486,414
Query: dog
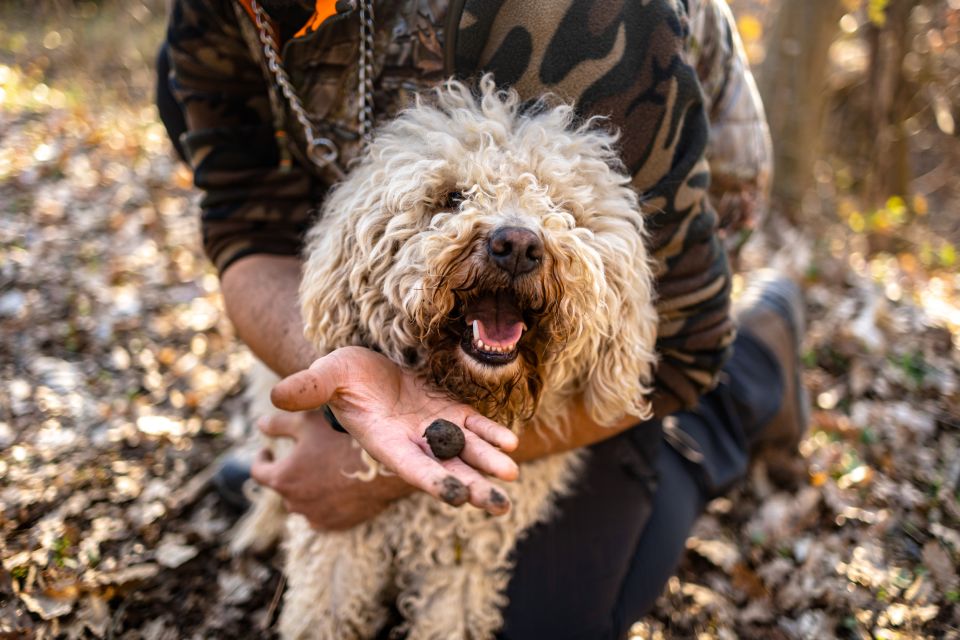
x,y
495,248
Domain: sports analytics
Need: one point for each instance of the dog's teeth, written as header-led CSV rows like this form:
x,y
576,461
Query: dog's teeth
x,y
476,330
480,345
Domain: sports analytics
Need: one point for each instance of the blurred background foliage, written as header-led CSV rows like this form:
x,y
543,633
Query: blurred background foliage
x,y
862,98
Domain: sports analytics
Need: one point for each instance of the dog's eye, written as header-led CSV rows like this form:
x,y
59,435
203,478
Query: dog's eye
x,y
453,200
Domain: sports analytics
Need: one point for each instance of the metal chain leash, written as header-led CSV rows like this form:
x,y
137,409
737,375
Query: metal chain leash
x,y
322,151
365,88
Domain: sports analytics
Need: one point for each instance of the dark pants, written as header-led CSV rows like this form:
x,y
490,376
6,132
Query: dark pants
x,y
599,565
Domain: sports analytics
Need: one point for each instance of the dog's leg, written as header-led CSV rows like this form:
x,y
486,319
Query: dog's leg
x,y
336,580
455,563
263,524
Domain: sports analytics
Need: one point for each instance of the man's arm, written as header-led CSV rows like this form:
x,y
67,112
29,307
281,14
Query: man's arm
x,y
253,202
740,151
538,443
260,293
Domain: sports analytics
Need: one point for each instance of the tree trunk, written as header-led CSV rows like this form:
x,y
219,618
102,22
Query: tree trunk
x,y
792,81
890,93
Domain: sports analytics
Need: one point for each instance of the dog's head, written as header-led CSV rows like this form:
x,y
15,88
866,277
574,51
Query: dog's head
x,y
494,248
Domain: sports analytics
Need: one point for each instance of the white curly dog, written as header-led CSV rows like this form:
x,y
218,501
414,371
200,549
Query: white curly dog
x,y
497,249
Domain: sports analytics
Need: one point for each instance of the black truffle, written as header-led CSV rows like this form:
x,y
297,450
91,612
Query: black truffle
x,y
445,439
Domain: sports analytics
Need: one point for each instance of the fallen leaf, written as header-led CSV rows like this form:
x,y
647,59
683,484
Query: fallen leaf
x,y
719,552
172,552
47,607
941,565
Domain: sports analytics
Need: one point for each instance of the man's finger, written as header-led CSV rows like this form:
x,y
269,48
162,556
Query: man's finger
x,y
264,469
484,457
493,432
418,469
456,483
483,493
279,425
307,389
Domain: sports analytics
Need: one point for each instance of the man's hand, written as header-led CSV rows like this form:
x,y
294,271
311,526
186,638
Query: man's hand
x,y
313,479
387,410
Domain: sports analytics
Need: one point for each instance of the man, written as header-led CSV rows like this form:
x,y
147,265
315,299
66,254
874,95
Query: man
x,y
274,110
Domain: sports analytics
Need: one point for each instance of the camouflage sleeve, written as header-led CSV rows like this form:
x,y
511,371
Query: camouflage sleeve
x,y
252,202
693,274
627,61
739,151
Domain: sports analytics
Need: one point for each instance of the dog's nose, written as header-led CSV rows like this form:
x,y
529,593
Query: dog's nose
x,y
515,250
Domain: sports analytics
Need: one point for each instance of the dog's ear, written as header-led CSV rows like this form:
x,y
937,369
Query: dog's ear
x,y
327,300
622,364
349,251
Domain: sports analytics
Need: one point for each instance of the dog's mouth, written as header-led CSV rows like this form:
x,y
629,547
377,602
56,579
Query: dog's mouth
x,y
494,326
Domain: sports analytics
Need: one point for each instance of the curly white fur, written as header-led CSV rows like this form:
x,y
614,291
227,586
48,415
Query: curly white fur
x,y
390,265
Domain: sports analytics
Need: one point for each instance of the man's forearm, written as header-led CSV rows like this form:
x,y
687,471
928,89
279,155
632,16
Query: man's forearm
x,y
582,432
261,296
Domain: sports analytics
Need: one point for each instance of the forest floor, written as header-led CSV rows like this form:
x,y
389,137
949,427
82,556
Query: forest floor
x,y
120,380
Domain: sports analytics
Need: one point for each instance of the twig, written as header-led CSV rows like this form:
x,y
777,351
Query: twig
x,y
274,603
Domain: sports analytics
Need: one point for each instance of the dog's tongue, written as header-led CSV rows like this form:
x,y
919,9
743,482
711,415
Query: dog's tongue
x,y
498,319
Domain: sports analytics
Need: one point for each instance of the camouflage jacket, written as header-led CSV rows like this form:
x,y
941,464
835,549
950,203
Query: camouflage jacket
x,y
637,63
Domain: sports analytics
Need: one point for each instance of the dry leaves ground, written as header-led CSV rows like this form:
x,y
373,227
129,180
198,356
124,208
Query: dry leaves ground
x,y
117,360
119,375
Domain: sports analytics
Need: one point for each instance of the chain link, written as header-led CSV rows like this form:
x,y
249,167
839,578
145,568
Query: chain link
x,y
322,151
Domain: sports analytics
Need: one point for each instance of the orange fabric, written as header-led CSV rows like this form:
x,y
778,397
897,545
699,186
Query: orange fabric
x,y
323,10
